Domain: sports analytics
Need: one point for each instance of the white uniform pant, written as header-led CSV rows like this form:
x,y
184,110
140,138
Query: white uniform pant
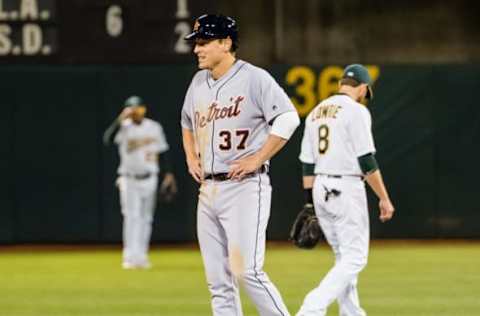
x,y
345,224
232,219
137,199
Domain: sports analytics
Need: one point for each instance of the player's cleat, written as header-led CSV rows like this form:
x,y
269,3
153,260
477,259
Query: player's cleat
x,y
128,265
145,265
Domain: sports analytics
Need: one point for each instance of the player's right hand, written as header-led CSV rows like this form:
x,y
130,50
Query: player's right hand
x,y
386,210
126,113
195,169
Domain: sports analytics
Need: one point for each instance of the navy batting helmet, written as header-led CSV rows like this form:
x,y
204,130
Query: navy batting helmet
x,y
211,26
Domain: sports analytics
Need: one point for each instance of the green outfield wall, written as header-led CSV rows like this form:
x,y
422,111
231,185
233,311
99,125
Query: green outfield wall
x,y
58,178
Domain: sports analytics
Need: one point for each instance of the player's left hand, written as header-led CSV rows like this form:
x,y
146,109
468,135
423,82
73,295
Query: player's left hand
x,y
241,167
386,210
168,188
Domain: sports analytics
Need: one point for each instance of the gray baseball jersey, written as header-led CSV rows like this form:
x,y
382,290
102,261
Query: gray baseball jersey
x,y
230,116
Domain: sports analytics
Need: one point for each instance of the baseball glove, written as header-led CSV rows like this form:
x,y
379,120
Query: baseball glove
x,y
306,232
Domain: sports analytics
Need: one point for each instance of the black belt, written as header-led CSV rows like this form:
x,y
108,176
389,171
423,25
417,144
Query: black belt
x,y
340,176
223,176
139,176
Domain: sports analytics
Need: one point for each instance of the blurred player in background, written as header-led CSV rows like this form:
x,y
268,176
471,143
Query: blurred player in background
x,y
143,151
337,154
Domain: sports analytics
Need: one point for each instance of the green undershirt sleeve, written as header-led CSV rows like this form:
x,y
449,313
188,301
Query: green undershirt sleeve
x,y
308,169
368,163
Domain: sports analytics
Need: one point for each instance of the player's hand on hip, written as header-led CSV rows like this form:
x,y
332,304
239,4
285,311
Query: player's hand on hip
x,y
241,167
386,210
195,169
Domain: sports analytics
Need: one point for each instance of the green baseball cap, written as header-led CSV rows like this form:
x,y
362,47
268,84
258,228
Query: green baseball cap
x,y
360,74
133,101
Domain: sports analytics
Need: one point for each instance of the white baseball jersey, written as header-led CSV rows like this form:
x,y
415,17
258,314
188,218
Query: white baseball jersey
x,y
230,116
139,146
337,132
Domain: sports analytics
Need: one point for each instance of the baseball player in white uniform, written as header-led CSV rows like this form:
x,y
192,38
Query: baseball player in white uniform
x,y
142,147
235,118
337,153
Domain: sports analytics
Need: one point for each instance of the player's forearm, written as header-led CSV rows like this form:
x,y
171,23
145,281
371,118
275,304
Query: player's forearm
x,y
270,148
193,160
307,189
111,131
165,162
189,144
308,172
282,129
308,182
308,179
375,181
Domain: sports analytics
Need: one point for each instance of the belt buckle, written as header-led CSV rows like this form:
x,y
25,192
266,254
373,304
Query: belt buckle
x,y
142,176
224,176
335,176
221,177
216,176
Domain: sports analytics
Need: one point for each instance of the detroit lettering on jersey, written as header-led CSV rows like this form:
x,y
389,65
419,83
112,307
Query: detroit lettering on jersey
x,y
230,116
215,112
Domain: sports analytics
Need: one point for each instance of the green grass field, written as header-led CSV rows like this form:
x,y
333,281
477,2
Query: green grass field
x,y
402,278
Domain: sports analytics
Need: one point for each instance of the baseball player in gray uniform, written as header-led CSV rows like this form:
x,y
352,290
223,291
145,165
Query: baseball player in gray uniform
x,y
235,118
337,153
143,149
